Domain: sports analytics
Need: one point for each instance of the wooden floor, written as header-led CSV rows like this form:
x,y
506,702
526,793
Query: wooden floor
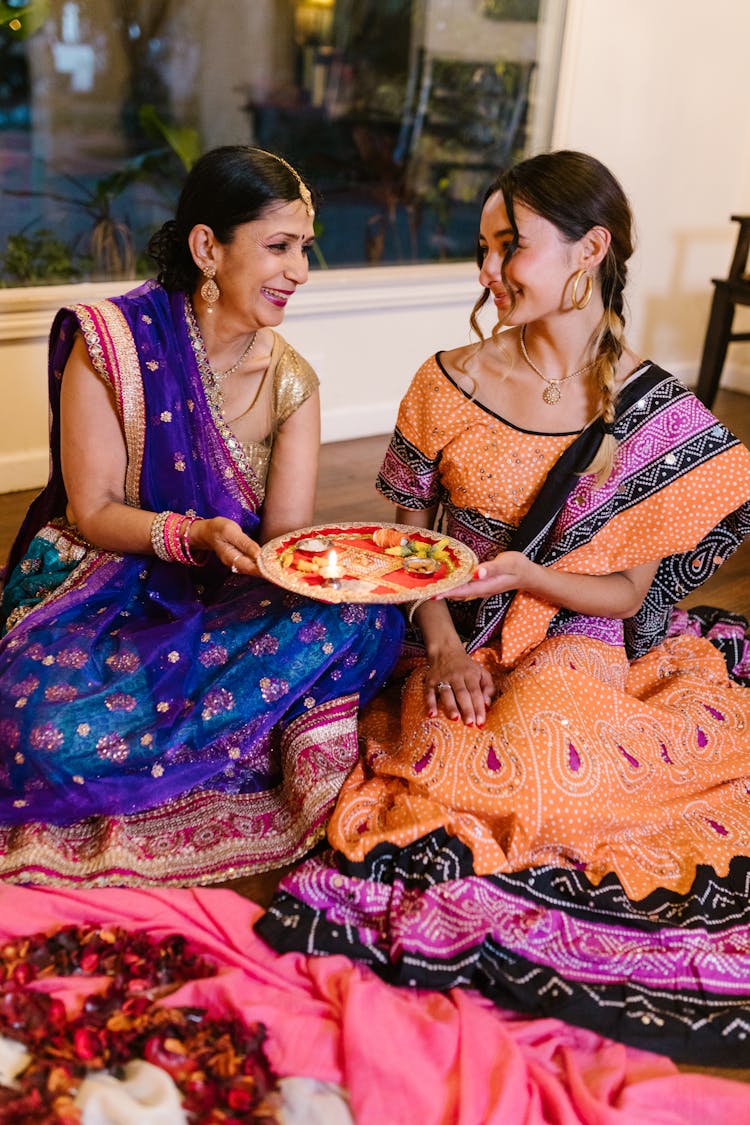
x,y
345,492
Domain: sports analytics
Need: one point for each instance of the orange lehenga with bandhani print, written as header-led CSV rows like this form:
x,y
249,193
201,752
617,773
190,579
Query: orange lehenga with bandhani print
x,y
552,857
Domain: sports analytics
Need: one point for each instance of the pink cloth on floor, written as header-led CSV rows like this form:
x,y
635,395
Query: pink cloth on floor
x,y
403,1056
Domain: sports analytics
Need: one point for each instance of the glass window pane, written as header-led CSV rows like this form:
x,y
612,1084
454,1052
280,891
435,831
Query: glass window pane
x,y
398,111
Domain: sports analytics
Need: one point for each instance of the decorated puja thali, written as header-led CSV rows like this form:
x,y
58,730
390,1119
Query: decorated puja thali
x,y
366,562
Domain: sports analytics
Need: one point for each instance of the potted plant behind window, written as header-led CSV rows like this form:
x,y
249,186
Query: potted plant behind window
x,y
107,248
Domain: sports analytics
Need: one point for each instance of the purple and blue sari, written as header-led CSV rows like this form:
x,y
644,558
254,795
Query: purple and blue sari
x,y
160,723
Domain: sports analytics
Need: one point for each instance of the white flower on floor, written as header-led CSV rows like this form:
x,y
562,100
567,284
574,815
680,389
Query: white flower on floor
x,y
14,1058
146,1095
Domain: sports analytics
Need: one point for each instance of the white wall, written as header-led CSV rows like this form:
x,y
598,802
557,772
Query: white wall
x,y
655,88
366,331
658,90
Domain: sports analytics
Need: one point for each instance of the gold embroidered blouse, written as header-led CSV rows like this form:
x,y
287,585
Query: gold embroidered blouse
x,y
288,382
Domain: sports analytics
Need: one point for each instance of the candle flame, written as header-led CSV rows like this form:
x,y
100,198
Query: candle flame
x,y
331,569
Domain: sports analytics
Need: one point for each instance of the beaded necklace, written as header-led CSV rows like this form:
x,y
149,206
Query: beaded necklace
x,y
219,375
214,396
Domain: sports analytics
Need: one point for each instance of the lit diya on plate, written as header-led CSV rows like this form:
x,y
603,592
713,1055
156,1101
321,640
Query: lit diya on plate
x,y
366,562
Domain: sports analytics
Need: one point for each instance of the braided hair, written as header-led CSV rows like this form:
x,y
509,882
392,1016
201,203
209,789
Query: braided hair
x,y
226,187
576,192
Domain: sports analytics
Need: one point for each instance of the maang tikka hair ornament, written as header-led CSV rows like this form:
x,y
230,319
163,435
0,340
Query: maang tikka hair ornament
x,y
304,191
209,289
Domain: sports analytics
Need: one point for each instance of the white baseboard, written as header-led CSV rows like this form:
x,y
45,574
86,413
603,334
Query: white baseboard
x,y
22,470
345,423
736,377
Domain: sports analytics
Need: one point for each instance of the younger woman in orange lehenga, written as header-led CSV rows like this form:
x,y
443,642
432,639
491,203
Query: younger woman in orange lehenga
x,y
557,809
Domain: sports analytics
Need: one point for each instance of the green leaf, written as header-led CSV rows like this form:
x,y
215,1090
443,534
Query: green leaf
x,y
38,257
183,140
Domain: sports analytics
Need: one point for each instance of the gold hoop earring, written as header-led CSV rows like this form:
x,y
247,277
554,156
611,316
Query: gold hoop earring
x,y
581,302
209,289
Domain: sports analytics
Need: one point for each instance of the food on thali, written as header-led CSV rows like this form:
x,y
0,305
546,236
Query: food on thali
x,y
369,562
421,565
388,537
421,557
411,548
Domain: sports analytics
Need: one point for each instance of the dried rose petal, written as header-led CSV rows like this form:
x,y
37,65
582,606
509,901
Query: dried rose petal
x,y
23,973
89,962
178,1065
219,1065
56,1014
139,984
88,1043
240,1099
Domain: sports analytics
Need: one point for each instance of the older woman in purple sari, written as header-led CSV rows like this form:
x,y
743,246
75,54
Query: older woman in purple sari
x,y
166,716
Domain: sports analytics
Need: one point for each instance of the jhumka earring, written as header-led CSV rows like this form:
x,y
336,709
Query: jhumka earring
x,y
209,289
583,300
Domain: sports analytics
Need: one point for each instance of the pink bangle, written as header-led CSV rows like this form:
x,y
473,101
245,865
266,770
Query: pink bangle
x,y
170,540
172,544
184,536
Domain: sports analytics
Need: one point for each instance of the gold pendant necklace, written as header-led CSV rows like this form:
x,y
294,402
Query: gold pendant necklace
x,y
551,393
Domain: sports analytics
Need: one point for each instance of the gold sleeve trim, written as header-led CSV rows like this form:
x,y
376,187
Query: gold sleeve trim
x,y
294,382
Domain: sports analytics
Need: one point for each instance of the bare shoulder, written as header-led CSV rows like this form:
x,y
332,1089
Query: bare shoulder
x,y
455,359
468,357
484,357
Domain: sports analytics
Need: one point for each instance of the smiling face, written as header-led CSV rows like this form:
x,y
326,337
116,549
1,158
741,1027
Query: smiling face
x,y
259,270
539,269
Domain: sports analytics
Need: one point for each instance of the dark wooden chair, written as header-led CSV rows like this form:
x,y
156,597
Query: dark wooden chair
x,y
728,293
